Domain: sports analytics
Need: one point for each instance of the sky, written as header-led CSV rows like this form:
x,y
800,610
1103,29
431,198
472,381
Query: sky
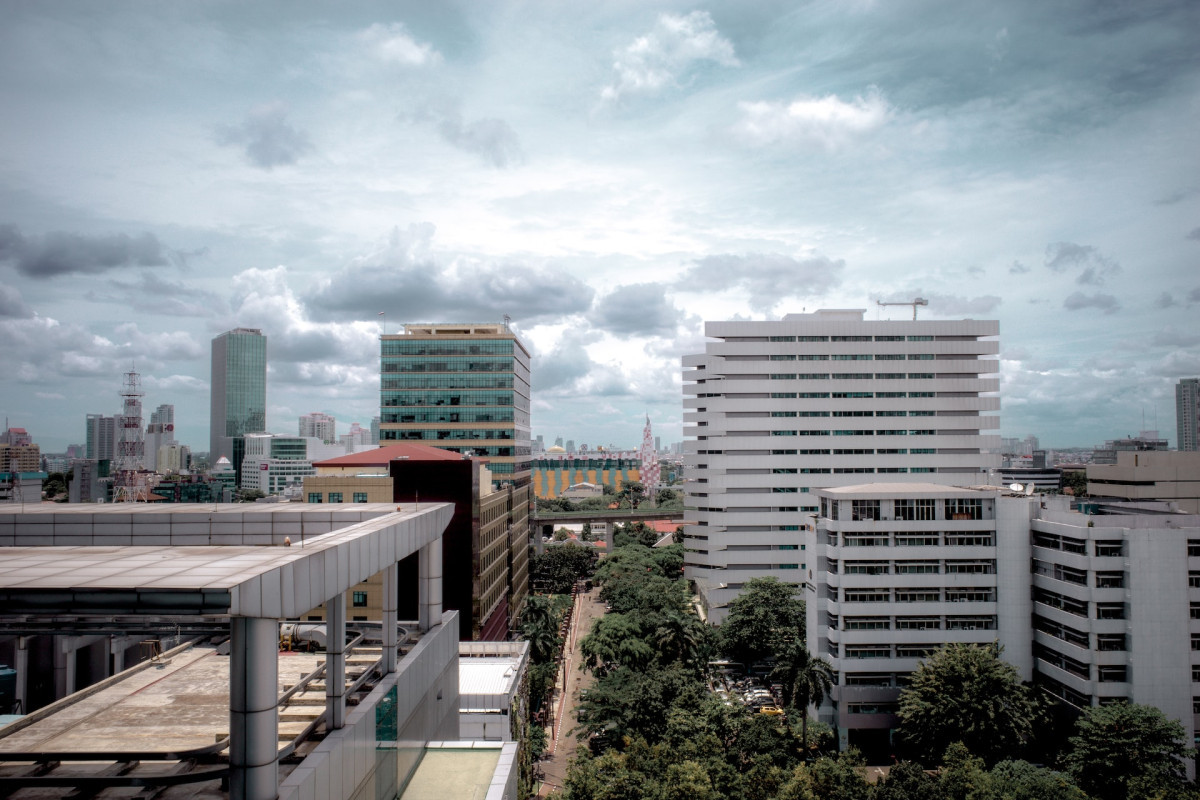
x,y
608,175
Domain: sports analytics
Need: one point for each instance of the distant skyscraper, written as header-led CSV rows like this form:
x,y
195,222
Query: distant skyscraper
x,y
375,430
319,426
1187,413
649,461
101,437
160,432
239,389
570,445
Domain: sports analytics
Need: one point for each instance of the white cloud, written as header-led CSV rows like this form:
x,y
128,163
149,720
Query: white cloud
x,y
828,121
394,45
657,60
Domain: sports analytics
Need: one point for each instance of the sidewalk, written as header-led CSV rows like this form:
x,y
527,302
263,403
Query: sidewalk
x,y
562,745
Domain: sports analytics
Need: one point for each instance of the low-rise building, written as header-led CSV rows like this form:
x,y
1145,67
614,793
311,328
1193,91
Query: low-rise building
x,y
1172,476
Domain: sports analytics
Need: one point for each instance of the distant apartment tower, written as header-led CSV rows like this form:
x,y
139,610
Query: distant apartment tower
x,y
239,391
160,432
777,409
1187,413
319,426
101,437
460,387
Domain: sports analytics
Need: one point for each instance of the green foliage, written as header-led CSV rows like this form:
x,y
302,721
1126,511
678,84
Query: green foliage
x,y
630,533
1020,780
56,484
806,681
1126,749
248,495
763,621
1076,481
966,693
556,570
908,781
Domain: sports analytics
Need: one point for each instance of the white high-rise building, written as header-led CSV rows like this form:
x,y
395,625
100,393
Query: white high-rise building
x,y
160,433
1187,413
776,409
318,426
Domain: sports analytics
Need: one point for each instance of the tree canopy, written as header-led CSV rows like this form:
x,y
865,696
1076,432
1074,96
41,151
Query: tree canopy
x,y
1127,746
556,570
763,621
966,693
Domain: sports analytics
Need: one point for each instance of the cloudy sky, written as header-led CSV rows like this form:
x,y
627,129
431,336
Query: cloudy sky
x,y
609,175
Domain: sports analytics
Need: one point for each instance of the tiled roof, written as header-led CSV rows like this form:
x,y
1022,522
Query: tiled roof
x,y
381,456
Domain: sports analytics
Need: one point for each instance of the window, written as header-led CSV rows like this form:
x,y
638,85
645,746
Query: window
x,y
964,508
915,510
360,497
1110,673
314,497
1110,580
865,510
918,623
915,650
868,652
865,540
972,595
866,595
783,413
970,567
969,539
916,568
918,597
1111,548
335,497
1194,547
919,540
1110,611
867,623
867,568
868,679
1193,578
1060,631
970,623
1055,600
1112,642
360,599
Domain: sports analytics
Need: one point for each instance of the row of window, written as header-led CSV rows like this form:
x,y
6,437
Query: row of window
x,y
981,594
447,382
450,398
931,567
930,623
445,347
1110,579
1106,548
849,338
854,376
843,395
465,364
849,357
336,497
922,539
1078,607
853,414
955,508
458,433
841,432
444,415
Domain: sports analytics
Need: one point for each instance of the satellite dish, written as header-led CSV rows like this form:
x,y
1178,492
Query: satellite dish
x,y
1029,489
1016,487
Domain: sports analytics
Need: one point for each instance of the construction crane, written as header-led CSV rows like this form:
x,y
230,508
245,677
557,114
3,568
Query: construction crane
x,y
917,301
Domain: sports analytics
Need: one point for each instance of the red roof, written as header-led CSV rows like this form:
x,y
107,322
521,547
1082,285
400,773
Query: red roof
x,y
664,525
380,457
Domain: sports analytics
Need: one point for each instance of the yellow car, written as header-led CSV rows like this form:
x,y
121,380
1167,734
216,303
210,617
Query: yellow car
x,y
773,711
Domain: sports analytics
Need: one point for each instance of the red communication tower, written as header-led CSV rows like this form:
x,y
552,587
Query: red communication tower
x,y
130,485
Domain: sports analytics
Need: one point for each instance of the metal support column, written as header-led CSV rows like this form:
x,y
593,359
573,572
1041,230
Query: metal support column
x,y
253,713
429,585
335,662
391,590
22,667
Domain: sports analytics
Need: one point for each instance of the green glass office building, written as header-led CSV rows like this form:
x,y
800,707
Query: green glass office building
x,y
239,391
461,387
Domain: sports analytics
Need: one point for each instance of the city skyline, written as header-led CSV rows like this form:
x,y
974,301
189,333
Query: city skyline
x,y
609,177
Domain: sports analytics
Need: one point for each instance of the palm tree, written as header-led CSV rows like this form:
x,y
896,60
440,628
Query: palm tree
x,y
806,679
681,636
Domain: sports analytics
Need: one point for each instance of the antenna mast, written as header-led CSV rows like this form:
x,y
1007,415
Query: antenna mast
x,y
916,301
130,486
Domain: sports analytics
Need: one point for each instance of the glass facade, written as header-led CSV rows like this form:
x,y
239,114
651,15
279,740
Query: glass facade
x,y
239,389
462,388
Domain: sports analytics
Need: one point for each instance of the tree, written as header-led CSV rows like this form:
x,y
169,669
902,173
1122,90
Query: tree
x,y
806,680
615,641
557,570
681,636
1022,780
965,693
1125,745
764,619
908,781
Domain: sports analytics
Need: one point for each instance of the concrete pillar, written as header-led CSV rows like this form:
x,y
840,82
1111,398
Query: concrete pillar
x,y
335,662
64,666
117,653
429,585
22,667
253,713
391,592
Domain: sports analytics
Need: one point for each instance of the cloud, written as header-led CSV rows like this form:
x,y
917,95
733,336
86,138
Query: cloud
x,y
637,309
1173,337
411,284
657,60
57,253
491,139
948,304
394,45
11,304
268,138
559,369
1094,266
1165,300
1193,296
766,278
1078,300
827,122
1194,234
1018,268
